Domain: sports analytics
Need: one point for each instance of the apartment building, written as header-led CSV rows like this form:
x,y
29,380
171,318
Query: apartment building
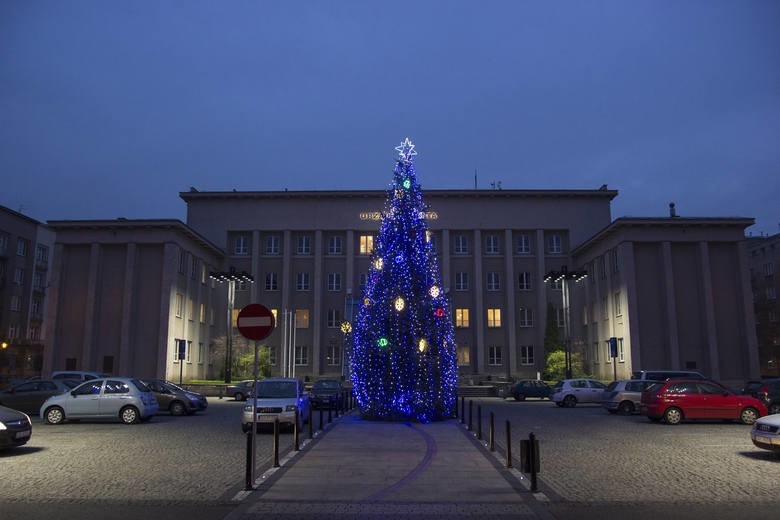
x,y
25,246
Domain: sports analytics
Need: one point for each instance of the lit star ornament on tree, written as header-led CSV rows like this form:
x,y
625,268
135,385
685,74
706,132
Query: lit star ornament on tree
x,y
403,363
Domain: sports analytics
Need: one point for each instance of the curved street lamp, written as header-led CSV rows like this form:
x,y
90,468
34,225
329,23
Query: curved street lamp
x,y
565,276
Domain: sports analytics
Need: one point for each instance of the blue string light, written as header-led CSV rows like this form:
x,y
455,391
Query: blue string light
x,y
404,363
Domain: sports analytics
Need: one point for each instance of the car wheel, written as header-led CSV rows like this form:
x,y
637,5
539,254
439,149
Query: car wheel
x,y
129,415
54,415
238,396
519,397
559,403
774,408
570,401
749,416
626,408
673,416
177,408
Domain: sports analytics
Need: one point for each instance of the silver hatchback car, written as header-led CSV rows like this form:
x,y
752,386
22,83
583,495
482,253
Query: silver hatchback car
x,y
123,398
625,396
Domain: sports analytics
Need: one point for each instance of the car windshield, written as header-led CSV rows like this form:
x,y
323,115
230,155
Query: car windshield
x,y
612,385
277,389
140,386
326,385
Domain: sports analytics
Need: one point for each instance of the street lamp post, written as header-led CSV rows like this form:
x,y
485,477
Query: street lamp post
x,y
565,276
230,277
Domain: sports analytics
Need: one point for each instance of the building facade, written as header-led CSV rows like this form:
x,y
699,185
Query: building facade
x,y
25,246
764,258
125,292
673,292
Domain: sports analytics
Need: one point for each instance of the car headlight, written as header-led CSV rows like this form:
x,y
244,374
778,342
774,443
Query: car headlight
x,y
290,408
248,407
2,426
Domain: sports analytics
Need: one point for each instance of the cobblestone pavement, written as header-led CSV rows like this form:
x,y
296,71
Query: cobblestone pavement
x,y
597,465
593,465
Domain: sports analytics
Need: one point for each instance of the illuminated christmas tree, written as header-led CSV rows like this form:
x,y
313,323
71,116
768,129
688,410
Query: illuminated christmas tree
x,y
403,360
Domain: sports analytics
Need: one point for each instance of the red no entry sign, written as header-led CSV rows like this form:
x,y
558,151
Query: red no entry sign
x,y
255,321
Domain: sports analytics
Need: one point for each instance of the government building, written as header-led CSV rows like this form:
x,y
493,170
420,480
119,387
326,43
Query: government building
x,y
149,297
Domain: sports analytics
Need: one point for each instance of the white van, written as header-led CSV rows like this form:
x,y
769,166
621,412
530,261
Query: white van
x,y
75,375
663,375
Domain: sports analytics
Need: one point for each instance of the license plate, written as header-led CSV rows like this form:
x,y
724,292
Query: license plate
x,y
22,435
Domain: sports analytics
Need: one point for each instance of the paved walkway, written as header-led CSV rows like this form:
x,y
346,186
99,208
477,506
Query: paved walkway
x,y
368,469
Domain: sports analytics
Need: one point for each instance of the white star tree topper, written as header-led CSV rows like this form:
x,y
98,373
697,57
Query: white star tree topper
x,y
406,150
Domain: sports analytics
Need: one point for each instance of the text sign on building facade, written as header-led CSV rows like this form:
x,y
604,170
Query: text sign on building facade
x,y
255,321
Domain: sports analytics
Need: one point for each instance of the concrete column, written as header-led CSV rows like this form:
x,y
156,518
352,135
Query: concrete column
x,y
445,256
126,362
90,310
671,306
479,304
317,321
351,283
749,320
511,314
709,311
54,302
168,332
631,315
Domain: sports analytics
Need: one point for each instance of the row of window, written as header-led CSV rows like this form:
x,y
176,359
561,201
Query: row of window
x,y
33,332
23,246
495,355
461,244
598,347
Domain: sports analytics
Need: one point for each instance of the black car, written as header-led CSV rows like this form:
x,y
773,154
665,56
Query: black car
x,y
175,399
241,390
28,396
15,428
530,388
769,393
326,393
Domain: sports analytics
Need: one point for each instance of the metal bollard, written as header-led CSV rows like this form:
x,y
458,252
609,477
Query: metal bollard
x,y
311,433
330,411
320,416
296,444
479,421
508,445
276,442
491,435
471,407
221,391
249,462
462,406
532,459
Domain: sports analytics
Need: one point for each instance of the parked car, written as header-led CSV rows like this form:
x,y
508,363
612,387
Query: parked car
x,y
677,400
123,398
530,388
176,399
664,375
30,395
326,393
278,398
15,428
625,396
241,390
751,387
569,392
766,433
769,393
76,375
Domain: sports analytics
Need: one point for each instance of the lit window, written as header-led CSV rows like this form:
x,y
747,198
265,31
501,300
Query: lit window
x,y
494,317
301,318
202,313
366,244
461,317
464,355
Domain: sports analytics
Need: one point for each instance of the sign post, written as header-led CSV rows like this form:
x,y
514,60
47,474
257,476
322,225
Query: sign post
x,y
254,322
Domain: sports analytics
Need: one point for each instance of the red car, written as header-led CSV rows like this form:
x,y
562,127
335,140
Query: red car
x,y
674,401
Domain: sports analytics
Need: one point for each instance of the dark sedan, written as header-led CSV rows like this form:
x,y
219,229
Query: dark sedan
x,y
15,428
530,388
176,399
30,395
326,393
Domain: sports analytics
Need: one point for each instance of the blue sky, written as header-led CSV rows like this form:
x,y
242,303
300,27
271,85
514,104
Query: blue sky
x,y
110,109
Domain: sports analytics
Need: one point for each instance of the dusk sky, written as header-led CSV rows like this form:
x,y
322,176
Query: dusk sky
x,y
111,108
